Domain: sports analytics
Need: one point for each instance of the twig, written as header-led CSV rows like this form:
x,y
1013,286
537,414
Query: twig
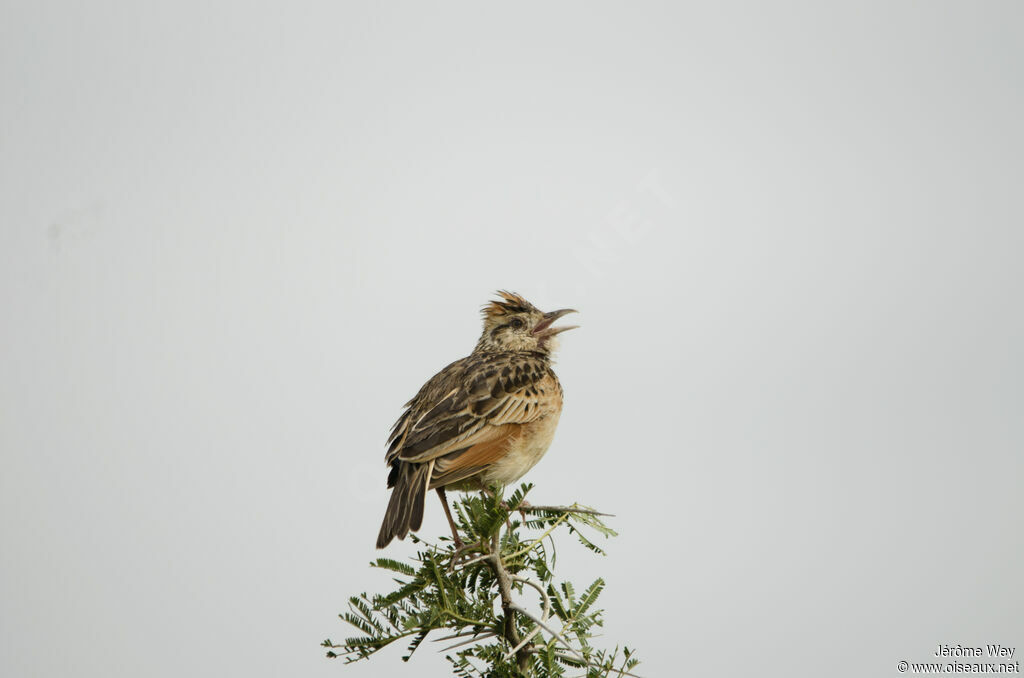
x,y
540,589
475,560
507,606
456,635
529,636
467,642
550,630
544,615
529,547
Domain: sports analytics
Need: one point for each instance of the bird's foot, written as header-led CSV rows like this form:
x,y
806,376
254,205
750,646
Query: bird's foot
x,y
522,508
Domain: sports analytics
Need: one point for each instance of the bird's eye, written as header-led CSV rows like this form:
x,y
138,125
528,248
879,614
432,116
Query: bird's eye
x,y
516,323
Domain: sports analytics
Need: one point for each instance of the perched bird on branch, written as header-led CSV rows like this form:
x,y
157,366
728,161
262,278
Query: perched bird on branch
x,y
485,419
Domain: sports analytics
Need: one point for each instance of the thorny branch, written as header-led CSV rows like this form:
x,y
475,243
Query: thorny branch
x,y
454,589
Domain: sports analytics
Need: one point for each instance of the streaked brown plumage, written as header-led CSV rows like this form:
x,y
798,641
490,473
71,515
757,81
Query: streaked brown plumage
x,y
485,419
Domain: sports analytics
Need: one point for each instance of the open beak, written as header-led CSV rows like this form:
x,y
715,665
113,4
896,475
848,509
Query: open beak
x,y
544,329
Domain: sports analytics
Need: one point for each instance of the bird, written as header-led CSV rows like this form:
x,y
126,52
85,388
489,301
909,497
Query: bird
x,y
483,420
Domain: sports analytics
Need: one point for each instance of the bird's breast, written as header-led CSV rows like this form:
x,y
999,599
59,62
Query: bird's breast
x,y
524,451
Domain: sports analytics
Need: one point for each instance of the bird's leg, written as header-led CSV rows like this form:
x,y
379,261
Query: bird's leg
x,y
451,521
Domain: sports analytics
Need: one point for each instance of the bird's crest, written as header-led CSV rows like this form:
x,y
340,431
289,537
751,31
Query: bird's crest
x,y
510,302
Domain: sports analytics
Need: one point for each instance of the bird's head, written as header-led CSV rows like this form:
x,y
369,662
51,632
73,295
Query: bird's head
x,y
511,323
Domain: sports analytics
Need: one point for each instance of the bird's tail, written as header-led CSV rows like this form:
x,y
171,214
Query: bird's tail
x,y
405,509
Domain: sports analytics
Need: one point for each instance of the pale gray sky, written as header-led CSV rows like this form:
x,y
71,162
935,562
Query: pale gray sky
x,y
235,237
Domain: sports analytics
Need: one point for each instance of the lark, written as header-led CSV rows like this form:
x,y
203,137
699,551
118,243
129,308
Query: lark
x,y
483,420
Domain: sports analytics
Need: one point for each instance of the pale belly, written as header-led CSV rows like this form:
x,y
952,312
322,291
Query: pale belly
x,y
524,452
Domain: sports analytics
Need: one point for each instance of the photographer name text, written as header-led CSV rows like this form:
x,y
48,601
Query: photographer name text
x,y
997,650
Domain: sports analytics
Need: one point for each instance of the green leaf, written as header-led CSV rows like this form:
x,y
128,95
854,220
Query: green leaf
x,y
589,596
394,566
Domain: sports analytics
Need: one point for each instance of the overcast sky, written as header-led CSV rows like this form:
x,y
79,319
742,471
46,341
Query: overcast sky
x,y
235,237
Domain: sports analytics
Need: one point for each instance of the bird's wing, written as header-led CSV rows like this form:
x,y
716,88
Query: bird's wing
x,y
479,408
